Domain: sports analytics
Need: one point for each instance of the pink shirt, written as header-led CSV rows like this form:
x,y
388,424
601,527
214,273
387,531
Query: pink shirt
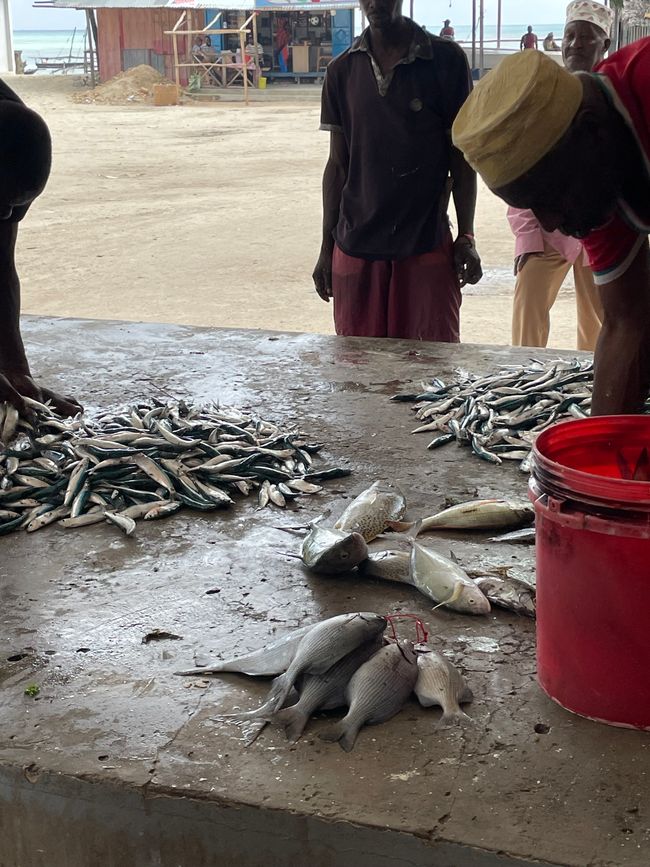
x,y
530,237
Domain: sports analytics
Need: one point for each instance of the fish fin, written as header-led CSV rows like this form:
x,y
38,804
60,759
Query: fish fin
x,y
458,590
454,718
413,531
251,734
294,722
333,734
289,554
400,526
466,696
349,738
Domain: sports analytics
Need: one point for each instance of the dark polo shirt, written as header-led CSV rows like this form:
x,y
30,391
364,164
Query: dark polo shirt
x,y
398,132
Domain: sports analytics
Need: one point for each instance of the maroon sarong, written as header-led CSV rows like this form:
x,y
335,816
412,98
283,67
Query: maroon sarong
x,y
417,298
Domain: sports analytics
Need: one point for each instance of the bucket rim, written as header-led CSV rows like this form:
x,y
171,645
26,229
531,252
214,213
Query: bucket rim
x,y
606,489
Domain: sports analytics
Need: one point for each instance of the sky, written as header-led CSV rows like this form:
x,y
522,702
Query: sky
x,y
25,17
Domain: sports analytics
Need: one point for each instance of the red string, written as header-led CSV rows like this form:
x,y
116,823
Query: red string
x,y
421,634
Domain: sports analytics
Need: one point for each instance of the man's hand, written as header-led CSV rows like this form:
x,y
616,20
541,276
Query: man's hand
x,y
521,260
15,386
467,261
323,274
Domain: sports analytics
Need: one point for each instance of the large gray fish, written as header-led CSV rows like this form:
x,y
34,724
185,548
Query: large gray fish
x,y
376,692
388,565
445,582
481,515
510,593
268,661
332,551
324,691
320,649
440,683
374,511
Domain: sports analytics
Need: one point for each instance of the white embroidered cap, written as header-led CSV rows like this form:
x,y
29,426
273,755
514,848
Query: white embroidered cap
x,y
589,10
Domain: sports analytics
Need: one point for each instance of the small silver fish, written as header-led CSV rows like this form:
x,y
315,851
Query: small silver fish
x,y
440,683
374,511
517,537
377,691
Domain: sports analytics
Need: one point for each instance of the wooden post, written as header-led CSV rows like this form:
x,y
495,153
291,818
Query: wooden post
x,y
499,24
89,29
242,48
258,65
177,71
473,34
482,38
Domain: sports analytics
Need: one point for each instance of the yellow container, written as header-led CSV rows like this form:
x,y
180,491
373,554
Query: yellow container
x,y
165,94
261,83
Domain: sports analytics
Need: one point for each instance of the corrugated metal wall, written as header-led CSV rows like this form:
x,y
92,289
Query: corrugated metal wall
x,y
124,33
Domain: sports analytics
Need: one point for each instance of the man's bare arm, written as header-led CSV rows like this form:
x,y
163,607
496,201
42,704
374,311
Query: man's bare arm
x,y
463,176
334,178
15,375
622,357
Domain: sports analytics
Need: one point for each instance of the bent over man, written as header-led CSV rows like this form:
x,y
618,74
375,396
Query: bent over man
x,y
25,159
576,150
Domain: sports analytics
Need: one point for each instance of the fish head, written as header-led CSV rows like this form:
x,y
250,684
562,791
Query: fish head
x,y
375,622
344,554
471,600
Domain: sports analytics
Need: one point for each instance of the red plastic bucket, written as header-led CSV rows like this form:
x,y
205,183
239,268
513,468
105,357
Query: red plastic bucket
x,y
593,568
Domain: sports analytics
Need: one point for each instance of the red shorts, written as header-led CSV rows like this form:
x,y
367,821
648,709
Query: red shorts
x,y
415,299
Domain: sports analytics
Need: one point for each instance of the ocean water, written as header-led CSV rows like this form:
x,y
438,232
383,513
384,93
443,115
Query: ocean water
x,y
510,33
47,43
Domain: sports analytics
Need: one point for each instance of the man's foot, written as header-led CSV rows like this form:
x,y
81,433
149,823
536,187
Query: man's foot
x,y
14,386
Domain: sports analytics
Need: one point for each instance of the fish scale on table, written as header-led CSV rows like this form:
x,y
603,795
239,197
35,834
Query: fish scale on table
x,y
500,415
145,463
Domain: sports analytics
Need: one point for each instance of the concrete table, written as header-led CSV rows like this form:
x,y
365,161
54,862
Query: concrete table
x,y
119,762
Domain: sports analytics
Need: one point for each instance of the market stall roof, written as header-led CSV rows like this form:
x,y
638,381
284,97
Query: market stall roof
x,y
244,5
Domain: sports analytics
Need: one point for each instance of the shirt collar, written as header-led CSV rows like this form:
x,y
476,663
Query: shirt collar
x,y
420,46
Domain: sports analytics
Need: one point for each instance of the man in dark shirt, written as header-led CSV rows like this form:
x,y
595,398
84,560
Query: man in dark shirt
x,y
25,158
387,256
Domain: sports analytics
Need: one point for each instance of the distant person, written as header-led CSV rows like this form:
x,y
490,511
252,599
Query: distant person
x,y
543,259
208,50
550,44
387,257
197,48
447,31
282,40
25,160
528,40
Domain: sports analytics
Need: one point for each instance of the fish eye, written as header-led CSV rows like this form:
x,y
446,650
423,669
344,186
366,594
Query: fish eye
x,y
345,555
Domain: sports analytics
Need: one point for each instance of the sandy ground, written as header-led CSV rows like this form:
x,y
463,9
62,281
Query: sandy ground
x,y
208,215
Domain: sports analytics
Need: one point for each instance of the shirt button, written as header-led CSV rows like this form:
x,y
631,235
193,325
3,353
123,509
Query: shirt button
x,y
416,104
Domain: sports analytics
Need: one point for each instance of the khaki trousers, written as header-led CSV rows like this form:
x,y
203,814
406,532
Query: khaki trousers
x,y
536,289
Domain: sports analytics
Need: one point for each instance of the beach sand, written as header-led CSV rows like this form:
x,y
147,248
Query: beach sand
x,y
208,215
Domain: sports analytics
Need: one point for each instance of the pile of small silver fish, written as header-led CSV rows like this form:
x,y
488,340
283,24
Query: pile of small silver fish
x,y
499,416
346,662
343,547
146,462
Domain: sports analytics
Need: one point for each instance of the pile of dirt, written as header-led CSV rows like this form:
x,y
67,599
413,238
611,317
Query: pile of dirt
x,y
134,85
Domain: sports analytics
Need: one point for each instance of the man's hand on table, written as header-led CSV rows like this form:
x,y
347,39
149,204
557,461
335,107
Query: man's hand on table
x,y
14,386
467,261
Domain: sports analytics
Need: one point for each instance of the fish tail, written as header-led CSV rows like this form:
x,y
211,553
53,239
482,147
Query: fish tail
x,y
294,722
278,693
344,732
413,531
454,718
